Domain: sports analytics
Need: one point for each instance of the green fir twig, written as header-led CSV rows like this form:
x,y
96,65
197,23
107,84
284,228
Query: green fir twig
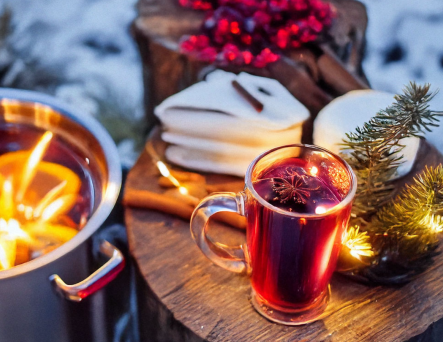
x,y
376,149
413,219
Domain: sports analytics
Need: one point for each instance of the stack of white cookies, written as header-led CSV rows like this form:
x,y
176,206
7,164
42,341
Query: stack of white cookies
x,y
213,127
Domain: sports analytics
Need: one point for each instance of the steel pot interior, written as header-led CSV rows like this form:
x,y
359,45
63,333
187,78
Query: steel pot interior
x,y
86,135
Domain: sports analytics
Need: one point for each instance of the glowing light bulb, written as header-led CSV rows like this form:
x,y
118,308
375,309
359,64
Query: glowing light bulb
x,y
163,169
183,190
320,210
313,171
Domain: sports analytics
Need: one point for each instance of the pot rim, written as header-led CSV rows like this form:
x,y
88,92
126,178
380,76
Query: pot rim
x,y
114,175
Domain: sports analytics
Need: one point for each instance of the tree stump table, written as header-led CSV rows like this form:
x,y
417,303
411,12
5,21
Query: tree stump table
x,y
184,297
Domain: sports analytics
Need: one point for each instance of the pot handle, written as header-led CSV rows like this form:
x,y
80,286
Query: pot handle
x,y
96,280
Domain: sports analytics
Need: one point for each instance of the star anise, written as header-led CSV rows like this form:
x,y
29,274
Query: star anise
x,y
291,187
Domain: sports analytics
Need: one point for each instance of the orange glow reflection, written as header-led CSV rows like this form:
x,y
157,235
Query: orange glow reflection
x,y
30,209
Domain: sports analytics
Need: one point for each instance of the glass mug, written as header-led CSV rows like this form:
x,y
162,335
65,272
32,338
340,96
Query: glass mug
x,y
297,202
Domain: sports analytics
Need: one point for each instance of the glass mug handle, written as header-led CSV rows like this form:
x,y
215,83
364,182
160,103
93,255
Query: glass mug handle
x,y
232,258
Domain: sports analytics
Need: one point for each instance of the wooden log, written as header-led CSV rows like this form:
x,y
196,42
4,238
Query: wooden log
x,y
162,23
185,298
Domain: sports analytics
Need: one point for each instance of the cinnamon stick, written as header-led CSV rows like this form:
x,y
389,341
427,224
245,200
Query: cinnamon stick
x,y
303,87
185,198
308,58
336,76
150,200
299,83
185,176
258,106
233,186
165,182
232,219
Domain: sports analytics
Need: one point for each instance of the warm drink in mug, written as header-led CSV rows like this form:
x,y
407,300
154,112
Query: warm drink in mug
x,y
297,202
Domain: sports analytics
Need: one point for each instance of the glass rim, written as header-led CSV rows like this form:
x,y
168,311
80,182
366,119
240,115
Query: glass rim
x,y
343,203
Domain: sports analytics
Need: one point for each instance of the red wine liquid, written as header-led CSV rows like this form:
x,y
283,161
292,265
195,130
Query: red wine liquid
x,y
293,258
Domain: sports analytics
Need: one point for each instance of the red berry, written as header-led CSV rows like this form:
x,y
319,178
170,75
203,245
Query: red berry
x,y
314,24
265,57
196,4
231,53
254,32
223,26
208,54
295,29
246,39
235,29
301,6
247,56
295,44
262,18
201,41
188,45
282,38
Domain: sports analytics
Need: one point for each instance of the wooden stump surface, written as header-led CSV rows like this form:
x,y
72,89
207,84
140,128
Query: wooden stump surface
x,y
196,300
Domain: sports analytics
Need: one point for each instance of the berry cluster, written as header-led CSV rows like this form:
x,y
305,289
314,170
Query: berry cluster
x,y
255,32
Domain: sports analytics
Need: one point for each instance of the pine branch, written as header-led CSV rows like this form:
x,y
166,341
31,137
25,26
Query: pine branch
x,y
410,223
376,149
415,209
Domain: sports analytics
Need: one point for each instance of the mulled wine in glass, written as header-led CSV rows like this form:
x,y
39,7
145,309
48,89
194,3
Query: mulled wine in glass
x,y
297,201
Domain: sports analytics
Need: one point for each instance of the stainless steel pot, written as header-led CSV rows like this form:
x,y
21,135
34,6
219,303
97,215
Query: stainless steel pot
x,y
36,304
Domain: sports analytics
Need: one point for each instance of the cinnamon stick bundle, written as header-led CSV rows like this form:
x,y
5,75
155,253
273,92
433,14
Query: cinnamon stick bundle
x,y
150,200
233,186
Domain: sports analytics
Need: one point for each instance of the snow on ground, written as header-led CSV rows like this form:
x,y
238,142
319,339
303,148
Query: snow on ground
x,y
86,47
405,43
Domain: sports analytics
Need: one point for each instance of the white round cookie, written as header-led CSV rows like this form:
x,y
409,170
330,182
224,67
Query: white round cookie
x,y
352,110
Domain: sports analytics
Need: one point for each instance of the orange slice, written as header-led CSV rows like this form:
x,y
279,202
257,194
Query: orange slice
x,y
48,176
55,233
